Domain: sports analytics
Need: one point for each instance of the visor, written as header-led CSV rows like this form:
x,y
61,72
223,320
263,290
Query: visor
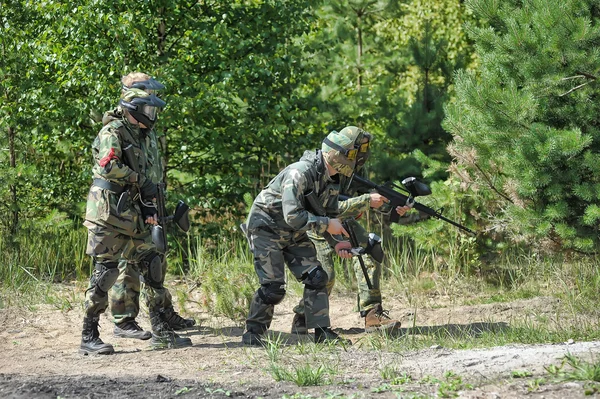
x,y
364,147
150,111
150,85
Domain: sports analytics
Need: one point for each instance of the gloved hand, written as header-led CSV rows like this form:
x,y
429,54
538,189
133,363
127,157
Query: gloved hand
x,y
148,211
148,190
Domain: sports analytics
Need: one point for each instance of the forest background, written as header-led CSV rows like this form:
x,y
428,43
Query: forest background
x,y
492,103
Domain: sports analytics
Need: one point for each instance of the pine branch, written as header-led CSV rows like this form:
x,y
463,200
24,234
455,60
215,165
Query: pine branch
x,y
574,88
491,184
589,76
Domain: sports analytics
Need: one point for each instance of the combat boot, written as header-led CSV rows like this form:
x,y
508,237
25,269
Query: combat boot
x,y
377,319
299,325
91,344
163,336
131,329
176,322
253,336
326,335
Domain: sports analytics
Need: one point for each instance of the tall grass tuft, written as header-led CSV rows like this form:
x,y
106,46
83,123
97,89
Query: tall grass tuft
x,y
226,274
45,251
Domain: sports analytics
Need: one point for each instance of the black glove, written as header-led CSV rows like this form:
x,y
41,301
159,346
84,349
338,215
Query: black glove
x,y
148,190
148,211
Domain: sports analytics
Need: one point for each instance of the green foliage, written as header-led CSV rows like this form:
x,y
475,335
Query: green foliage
x,y
51,249
454,250
302,375
524,125
227,276
573,368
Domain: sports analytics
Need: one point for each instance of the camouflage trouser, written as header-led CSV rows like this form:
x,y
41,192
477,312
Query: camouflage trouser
x,y
124,297
367,298
272,251
107,246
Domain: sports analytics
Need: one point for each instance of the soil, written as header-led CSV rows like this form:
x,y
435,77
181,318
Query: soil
x,y
39,357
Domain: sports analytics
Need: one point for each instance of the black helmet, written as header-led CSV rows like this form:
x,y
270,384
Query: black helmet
x,y
142,106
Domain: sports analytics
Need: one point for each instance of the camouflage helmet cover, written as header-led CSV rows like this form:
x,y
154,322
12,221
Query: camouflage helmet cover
x,y
346,139
143,106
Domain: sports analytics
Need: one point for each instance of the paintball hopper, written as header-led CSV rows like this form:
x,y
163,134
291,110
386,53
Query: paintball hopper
x,y
415,187
181,216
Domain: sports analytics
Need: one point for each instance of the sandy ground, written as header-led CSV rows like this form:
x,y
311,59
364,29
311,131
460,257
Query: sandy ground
x,y
39,358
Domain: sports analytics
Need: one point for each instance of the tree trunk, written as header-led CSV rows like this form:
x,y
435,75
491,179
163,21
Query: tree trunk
x,y
14,223
359,53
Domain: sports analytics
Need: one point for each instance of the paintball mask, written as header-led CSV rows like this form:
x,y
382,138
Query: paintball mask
x,y
142,106
363,150
341,149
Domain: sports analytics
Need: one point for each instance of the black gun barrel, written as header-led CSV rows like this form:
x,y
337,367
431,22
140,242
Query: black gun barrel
x,y
355,244
399,199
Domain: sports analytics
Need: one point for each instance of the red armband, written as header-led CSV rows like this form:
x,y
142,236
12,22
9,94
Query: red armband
x,y
358,216
111,155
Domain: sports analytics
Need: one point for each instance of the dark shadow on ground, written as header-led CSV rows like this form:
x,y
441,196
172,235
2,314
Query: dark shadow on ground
x,y
447,330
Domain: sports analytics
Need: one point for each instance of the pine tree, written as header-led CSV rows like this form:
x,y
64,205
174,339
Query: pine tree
x,y
525,126
419,127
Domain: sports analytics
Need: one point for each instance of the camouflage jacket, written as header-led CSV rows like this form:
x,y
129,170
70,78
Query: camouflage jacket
x,y
282,205
109,165
352,207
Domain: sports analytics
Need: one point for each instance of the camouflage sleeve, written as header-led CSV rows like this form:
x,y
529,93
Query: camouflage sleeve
x,y
292,199
352,207
108,161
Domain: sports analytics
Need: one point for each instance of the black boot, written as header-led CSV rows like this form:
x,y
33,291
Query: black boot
x,y
253,336
163,336
299,325
326,334
91,344
176,322
131,329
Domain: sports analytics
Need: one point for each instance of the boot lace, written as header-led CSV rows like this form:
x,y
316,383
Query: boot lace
x,y
174,318
132,325
383,314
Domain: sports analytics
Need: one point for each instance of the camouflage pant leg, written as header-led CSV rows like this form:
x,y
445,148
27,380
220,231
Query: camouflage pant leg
x,y
104,246
325,256
140,252
272,251
124,297
367,298
168,299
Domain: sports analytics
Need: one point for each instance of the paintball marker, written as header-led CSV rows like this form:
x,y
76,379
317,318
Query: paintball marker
x,y
180,217
357,250
413,188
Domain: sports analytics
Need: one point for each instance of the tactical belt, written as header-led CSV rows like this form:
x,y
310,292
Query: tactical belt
x,y
110,186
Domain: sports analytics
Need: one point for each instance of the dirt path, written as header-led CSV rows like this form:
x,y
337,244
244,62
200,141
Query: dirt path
x,y
39,359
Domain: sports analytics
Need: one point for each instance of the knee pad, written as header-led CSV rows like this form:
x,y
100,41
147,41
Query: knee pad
x,y
105,275
374,247
153,270
272,293
316,279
